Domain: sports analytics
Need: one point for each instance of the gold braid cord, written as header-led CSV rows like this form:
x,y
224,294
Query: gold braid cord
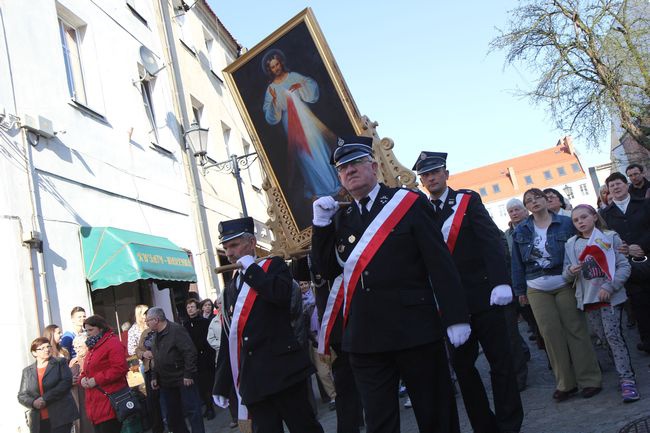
x,y
288,239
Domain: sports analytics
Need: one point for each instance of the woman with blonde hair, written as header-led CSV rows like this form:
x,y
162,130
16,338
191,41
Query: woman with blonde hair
x,y
54,333
138,327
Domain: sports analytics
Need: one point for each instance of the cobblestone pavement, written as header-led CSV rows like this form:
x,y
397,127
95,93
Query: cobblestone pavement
x,y
604,413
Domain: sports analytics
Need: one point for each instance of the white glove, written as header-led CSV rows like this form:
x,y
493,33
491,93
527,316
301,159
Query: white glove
x,y
246,261
220,401
459,333
501,295
324,210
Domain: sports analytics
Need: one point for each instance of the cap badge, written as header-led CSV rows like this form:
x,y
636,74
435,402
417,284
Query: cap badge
x,y
423,156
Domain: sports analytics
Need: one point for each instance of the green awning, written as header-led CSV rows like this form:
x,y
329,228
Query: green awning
x,y
114,256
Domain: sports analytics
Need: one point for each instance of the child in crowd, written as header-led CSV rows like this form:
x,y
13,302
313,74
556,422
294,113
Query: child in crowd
x,y
594,263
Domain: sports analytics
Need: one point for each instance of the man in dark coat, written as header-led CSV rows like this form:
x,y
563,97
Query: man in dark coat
x,y
259,352
477,248
197,326
392,265
630,217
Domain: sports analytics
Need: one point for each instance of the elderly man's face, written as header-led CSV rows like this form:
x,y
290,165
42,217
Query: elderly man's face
x,y
517,214
358,177
238,248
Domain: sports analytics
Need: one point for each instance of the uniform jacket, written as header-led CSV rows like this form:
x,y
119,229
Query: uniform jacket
x,y
524,267
393,307
106,363
174,356
479,253
57,383
271,359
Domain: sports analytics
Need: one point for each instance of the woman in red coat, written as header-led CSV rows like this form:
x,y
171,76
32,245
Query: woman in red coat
x,y
105,365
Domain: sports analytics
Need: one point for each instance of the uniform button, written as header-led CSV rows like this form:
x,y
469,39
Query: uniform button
x,y
250,352
367,289
245,338
366,273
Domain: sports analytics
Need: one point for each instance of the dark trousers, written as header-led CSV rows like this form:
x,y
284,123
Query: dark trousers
x,y
425,372
518,347
348,403
183,401
110,426
45,427
153,405
291,406
639,295
489,329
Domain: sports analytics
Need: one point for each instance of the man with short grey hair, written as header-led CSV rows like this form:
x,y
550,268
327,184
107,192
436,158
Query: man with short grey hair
x,y
174,372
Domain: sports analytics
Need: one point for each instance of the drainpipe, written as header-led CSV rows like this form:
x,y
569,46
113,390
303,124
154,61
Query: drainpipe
x,y
191,174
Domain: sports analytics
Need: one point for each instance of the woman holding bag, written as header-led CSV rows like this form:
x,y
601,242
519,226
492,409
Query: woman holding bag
x,y
45,390
104,367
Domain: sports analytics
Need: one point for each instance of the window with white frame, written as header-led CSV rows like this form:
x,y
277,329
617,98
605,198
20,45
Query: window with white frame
x,y
184,32
215,56
147,83
583,189
502,210
71,40
226,136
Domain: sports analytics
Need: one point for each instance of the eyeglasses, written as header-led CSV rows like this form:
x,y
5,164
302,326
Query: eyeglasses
x,y
354,163
40,349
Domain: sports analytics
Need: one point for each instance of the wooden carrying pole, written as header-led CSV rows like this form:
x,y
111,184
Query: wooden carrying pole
x,y
288,255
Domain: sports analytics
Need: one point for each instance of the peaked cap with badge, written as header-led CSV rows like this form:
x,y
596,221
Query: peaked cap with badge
x,y
231,229
428,161
350,148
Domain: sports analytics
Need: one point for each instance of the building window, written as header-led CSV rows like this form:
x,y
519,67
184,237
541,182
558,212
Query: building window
x,y
528,180
548,175
71,39
495,188
146,88
583,189
483,192
502,210
561,171
575,167
569,192
226,136
216,59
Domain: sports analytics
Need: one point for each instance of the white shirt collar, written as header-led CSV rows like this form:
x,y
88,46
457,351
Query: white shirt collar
x,y
622,205
372,195
442,198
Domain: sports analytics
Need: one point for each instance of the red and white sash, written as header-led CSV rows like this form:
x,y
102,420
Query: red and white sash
x,y
344,286
451,227
243,308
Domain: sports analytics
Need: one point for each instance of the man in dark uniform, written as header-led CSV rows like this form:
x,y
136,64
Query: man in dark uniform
x,y
390,259
479,254
259,350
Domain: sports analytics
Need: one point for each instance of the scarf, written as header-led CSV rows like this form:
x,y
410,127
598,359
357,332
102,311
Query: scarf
x,y
91,341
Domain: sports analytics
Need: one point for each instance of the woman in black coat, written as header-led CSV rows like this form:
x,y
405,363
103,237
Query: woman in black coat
x,y
45,390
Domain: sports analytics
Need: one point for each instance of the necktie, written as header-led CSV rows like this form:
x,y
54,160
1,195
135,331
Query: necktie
x,y
437,204
365,213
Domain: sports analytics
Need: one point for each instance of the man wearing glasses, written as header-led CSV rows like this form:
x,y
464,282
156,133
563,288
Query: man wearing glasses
x,y
387,264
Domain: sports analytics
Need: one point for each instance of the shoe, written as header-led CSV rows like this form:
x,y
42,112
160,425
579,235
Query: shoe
x,y
590,391
408,404
563,395
628,391
233,424
331,405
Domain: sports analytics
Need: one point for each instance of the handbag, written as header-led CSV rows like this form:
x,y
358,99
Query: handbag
x,y
640,269
124,402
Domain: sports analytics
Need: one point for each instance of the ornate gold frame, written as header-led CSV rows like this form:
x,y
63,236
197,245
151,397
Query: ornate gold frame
x,y
289,240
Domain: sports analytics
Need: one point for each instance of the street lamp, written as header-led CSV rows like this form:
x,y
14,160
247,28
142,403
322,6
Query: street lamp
x,y
568,191
197,139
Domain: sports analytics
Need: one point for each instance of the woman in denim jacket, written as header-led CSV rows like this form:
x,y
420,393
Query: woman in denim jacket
x,y
537,264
